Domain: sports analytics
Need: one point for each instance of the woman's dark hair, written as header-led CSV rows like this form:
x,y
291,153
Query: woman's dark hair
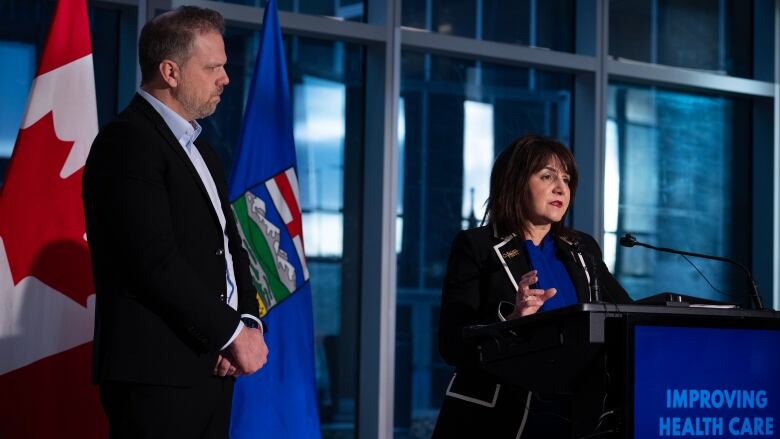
x,y
509,204
171,36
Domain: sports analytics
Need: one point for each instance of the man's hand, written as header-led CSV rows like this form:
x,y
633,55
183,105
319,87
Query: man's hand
x,y
225,365
249,351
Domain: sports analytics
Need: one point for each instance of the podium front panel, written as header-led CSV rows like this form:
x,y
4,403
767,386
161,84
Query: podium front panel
x,y
705,381
691,352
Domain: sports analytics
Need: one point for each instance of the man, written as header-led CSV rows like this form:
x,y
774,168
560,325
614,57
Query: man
x,y
176,311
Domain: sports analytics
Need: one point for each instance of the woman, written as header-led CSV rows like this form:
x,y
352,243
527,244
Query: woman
x,y
522,262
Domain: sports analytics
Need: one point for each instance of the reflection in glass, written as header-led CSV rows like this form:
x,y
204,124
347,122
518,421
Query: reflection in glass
x,y
327,92
535,23
710,35
478,145
319,140
677,175
399,218
456,116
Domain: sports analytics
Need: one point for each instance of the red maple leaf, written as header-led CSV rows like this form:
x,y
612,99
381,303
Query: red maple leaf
x,y
42,215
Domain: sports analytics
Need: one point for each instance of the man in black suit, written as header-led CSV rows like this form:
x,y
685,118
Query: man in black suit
x,y
177,313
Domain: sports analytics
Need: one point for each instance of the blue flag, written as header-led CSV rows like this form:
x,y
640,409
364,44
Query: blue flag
x,y
280,400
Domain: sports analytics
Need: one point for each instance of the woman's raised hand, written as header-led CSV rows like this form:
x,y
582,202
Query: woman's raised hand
x,y
528,300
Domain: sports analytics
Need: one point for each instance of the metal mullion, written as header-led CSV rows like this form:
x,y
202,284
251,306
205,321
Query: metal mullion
x,y
331,28
589,118
678,77
378,274
600,110
491,51
294,23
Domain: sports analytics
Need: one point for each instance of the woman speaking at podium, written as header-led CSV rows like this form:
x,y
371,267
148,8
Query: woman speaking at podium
x,y
522,261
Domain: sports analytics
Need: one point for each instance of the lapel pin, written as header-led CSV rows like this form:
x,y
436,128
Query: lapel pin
x,y
511,253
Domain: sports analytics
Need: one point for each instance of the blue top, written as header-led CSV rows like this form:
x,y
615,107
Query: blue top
x,y
551,273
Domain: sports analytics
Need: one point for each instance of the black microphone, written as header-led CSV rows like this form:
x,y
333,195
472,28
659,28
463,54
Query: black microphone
x,y
595,285
628,240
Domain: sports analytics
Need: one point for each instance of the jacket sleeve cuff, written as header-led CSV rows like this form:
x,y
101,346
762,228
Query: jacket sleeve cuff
x,y
504,309
235,334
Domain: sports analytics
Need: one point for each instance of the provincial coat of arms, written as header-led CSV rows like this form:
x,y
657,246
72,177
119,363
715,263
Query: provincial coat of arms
x,y
269,222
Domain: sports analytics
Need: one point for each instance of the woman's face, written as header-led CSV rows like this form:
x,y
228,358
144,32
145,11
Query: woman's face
x,y
550,194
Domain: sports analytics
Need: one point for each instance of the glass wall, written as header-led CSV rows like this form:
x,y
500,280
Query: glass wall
x,y
456,116
681,158
699,34
678,175
533,23
326,86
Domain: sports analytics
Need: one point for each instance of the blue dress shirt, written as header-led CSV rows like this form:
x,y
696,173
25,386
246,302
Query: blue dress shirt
x,y
551,273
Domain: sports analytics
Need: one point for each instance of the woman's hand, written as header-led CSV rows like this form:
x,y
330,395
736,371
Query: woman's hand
x,y
528,300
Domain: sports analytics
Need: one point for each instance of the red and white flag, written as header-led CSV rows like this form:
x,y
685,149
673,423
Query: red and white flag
x,y
46,292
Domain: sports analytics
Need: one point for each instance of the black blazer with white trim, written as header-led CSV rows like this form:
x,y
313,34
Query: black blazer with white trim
x,y
482,273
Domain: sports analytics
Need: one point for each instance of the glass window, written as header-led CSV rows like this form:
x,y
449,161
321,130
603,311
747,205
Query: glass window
x,y
455,116
14,87
678,174
352,10
23,30
700,34
326,81
535,23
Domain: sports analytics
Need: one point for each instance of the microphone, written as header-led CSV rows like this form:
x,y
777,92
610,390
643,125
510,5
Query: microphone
x,y
595,285
629,240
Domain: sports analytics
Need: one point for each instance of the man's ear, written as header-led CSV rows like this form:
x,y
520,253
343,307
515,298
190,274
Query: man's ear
x,y
169,72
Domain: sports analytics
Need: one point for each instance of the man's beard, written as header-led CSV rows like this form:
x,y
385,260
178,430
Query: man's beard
x,y
190,103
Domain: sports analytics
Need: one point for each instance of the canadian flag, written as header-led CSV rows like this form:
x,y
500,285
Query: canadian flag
x,y
46,291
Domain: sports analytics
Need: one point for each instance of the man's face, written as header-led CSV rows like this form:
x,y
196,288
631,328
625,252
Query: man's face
x,y
203,77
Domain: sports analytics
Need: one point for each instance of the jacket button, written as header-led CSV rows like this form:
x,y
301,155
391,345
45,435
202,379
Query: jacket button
x,y
219,252
223,297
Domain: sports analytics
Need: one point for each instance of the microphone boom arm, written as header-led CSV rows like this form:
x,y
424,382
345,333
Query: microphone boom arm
x,y
629,241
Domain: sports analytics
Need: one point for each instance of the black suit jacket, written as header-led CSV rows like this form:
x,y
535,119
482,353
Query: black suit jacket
x,y
157,256
477,284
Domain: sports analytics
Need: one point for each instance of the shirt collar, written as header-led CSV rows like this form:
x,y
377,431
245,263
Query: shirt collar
x,y
185,132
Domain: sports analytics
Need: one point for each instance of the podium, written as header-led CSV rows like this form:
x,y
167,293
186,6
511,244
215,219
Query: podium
x,y
646,371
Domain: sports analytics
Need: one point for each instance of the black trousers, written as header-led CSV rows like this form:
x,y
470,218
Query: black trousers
x,y
143,411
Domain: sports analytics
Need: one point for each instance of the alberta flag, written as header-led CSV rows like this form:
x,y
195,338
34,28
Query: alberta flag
x,y
279,400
